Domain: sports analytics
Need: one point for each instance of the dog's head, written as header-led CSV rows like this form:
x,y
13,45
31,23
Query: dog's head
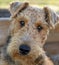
x,y
29,29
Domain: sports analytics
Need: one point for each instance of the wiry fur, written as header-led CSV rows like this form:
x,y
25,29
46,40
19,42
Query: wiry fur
x,y
29,35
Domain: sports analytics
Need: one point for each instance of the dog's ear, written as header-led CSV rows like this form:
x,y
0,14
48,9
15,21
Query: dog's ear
x,y
51,17
16,7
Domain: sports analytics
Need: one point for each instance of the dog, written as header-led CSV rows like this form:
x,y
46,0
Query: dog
x,y
29,29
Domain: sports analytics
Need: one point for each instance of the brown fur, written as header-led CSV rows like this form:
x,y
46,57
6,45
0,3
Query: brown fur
x,y
29,34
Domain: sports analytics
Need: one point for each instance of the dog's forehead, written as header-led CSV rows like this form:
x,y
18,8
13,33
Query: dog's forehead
x,y
34,14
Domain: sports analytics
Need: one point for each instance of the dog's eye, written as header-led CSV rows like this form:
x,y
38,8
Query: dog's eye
x,y
22,23
39,28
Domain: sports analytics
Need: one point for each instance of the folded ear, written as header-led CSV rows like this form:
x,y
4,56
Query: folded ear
x,y
16,7
51,17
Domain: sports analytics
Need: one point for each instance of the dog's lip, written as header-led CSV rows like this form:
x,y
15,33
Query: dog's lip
x,y
39,60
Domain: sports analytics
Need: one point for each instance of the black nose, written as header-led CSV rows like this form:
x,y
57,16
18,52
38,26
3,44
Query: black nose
x,y
24,49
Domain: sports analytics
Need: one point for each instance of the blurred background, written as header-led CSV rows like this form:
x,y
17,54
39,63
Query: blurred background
x,y
52,3
52,44
5,3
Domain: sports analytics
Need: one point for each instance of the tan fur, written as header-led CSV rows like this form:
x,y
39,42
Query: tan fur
x,y
29,34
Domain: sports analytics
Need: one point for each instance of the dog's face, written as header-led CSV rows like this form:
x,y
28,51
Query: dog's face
x,y
29,29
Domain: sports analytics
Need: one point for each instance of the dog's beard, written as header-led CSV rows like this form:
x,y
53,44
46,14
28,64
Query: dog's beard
x,y
39,60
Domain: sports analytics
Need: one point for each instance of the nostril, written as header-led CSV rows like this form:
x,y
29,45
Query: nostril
x,y
24,49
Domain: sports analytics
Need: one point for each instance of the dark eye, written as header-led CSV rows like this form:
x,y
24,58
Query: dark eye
x,y
22,23
39,28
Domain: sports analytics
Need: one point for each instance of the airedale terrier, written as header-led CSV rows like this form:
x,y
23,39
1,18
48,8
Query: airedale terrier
x,y
28,32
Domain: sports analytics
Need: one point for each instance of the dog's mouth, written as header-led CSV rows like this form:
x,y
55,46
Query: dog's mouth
x,y
39,60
